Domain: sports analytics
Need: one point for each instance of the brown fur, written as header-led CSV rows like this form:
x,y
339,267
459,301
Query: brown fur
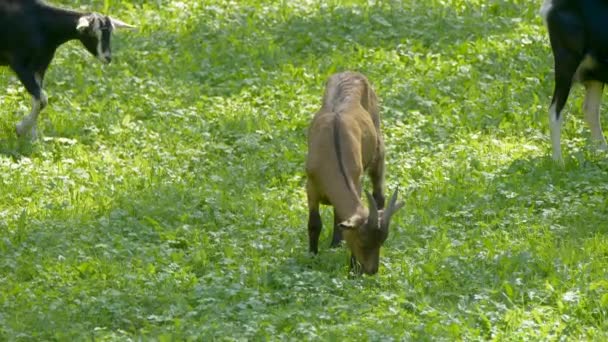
x,y
344,141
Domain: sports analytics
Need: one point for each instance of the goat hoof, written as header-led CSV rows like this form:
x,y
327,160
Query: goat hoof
x,y
23,131
19,130
558,161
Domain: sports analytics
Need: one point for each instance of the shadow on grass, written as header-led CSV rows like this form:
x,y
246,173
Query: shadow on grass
x,y
490,238
422,25
573,193
165,249
17,148
530,191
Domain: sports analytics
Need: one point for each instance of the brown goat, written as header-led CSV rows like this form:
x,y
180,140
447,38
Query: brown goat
x,y
344,140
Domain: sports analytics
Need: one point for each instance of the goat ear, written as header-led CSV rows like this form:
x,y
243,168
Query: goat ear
x,y
352,222
83,23
348,224
120,24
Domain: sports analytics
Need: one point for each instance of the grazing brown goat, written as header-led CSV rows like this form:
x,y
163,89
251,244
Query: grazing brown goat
x,y
344,140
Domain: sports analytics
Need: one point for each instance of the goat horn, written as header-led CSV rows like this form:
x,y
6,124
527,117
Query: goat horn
x,y
120,24
393,206
372,219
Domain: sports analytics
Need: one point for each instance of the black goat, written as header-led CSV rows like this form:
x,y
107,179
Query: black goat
x,y
579,40
31,31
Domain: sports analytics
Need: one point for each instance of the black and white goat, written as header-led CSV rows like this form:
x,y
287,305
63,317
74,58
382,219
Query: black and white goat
x,y
579,40
31,31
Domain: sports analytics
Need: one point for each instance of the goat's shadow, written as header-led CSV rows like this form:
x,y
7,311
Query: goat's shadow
x,y
564,188
17,148
546,193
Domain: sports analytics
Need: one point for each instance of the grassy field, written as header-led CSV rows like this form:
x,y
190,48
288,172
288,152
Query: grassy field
x,y
166,198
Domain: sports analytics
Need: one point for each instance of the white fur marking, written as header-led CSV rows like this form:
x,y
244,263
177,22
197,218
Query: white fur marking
x,y
556,125
43,100
587,63
100,54
30,122
545,9
83,23
103,56
98,34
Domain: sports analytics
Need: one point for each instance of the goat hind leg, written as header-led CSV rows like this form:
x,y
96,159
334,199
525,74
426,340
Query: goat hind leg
x,y
33,84
591,107
314,219
563,83
555,122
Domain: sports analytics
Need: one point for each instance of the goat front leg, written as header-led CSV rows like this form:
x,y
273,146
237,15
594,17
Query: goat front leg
x,y
337,235
565,68
355,267
314,219
32,81
591,107
28,126
314,229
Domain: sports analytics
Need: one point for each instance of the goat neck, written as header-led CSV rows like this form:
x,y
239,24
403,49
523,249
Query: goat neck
x,y
60,23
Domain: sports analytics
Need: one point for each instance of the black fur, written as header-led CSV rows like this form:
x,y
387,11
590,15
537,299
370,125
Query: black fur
x,y
577,29
30,33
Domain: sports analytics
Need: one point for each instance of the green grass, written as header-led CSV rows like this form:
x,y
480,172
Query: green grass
x,y
166,200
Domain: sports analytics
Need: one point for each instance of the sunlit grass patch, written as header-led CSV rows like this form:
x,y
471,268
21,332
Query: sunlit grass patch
x,y
166,199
